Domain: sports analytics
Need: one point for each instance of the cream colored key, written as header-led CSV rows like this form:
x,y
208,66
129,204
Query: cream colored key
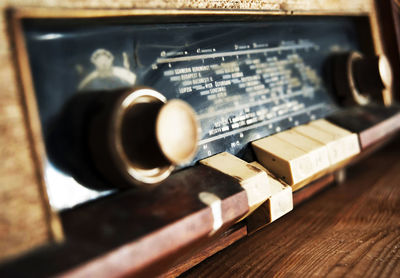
x,y
253,180
290,163
349,139
317,151
341,144
281,200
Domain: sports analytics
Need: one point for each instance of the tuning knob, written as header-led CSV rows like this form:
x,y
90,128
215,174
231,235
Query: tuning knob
x,y
360,79
141,137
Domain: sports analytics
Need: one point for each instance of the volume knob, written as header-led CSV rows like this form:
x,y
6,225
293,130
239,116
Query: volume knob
x,y
142,137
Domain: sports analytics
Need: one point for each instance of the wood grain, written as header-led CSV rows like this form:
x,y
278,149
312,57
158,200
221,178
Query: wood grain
x,y
138,232
24,214
239,231
356,6
372,123
201,253
352,229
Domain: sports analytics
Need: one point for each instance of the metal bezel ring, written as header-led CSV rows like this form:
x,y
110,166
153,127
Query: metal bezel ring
x,y
134,173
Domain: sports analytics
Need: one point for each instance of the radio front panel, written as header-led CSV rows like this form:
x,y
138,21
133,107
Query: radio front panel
x,y
244,80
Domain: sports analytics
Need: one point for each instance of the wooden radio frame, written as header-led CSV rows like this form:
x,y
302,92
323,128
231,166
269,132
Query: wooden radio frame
x,y
22,116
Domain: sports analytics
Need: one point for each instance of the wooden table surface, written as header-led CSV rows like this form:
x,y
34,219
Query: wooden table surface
x,y
352,229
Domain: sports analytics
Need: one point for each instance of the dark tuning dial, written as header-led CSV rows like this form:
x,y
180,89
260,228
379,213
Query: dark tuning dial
x,y
140,137
361,79
123,138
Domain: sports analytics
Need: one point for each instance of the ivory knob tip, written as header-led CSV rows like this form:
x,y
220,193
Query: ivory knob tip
x,y
176,131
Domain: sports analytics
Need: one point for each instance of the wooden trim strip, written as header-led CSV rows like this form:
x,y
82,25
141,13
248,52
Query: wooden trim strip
x,y
57,13
32,125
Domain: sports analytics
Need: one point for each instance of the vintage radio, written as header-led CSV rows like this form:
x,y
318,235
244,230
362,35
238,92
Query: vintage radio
x,y
145,136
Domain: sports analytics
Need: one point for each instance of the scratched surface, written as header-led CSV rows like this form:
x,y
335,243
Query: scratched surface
x,y
351,230
245,80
